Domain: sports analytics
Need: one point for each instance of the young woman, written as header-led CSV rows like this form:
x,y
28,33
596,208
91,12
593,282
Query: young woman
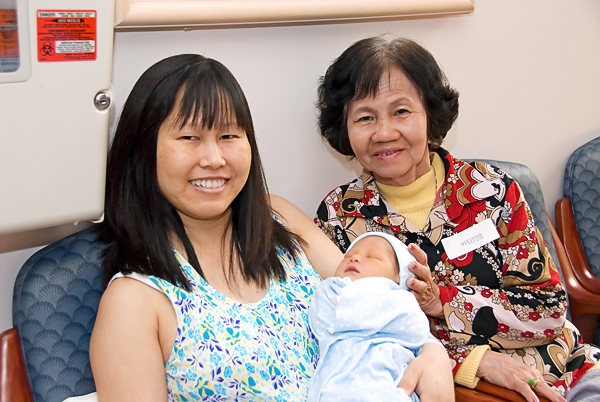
x,y
208,278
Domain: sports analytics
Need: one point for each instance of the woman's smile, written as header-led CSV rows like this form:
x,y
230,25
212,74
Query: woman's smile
x,y
386,153
208,183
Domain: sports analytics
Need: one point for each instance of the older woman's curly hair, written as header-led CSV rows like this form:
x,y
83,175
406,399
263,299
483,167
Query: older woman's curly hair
x,y
356,75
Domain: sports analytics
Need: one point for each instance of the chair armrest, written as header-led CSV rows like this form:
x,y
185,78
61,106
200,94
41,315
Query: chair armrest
x,y
567,231
14,386
486,392
462,394
585,306
577,293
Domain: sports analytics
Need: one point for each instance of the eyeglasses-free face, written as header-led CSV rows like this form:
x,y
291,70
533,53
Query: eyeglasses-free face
x,y
388,132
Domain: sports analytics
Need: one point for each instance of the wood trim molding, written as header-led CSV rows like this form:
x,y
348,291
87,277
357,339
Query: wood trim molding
x,y
172,14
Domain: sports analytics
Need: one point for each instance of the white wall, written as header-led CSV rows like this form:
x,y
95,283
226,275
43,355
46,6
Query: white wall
x,y
528,74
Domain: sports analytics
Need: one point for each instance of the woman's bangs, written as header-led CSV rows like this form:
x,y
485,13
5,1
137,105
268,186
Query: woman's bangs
x,y
210,106
367,83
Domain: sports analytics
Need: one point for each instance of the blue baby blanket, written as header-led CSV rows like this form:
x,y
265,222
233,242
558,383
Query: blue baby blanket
x,y
368,331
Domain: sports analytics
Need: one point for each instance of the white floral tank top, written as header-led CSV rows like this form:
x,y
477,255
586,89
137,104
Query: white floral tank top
x,y
229,351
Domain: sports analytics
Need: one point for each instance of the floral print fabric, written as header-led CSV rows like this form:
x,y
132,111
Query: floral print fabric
x,y
229,351
506,294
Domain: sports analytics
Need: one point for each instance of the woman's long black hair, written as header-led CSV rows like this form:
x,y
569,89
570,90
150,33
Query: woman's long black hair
x,y
139,221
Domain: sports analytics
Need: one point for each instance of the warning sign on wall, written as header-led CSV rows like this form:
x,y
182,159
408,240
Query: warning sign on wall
x,y
66,35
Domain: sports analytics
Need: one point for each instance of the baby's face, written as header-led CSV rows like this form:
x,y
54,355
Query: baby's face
x,y
371,256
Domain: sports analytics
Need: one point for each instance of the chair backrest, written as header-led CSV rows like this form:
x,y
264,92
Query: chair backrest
x,y
56,297
582,186
532,190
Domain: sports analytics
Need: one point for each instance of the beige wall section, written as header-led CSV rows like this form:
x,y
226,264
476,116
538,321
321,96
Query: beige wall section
x,y
528,74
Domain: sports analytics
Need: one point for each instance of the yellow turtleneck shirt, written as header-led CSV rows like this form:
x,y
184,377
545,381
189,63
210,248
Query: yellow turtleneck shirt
x,y
415,200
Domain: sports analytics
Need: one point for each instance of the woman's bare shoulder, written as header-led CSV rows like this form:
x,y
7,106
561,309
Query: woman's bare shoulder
x,y
130,342
129,291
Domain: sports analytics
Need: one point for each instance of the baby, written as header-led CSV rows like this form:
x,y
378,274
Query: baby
x,y
369,326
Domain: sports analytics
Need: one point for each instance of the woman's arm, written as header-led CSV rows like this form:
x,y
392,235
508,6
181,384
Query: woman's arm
x,y
323,255
430,375
529,307
495,367
130,343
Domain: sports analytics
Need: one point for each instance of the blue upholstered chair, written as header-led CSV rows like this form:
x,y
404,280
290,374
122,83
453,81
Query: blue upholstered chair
x,y
578,223
56,297
582,186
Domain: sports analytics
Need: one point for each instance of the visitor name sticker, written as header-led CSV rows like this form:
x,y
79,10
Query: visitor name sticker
x,y
469,239
66,35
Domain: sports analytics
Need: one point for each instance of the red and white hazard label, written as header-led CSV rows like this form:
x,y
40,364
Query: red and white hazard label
x,y
66,35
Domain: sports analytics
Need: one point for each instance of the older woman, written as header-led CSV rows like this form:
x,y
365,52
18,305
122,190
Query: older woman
x,y
496,301
209,278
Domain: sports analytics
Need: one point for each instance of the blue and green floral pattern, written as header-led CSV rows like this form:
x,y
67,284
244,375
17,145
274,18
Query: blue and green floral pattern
x,y
229,351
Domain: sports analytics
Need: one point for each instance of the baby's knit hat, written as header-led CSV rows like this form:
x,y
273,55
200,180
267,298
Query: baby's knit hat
x,y
402,254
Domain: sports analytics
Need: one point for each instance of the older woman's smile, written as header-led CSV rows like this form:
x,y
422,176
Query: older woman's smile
x,y
388,153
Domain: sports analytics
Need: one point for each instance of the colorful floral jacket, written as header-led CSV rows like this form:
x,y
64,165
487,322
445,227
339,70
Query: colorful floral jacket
x,y
506,294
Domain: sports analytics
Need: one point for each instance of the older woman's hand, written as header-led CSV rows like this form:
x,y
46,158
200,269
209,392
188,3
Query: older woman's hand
x,y
502,370
423,287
